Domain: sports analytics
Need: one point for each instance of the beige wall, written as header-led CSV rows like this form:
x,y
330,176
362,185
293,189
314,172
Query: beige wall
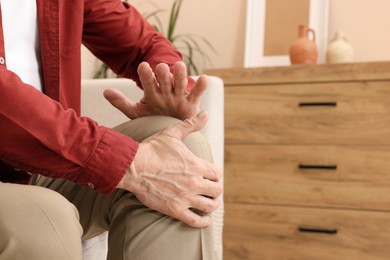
x,y
222,22
368,25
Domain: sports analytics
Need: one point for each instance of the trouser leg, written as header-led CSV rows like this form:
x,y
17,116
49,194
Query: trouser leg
x,y
135,231
37,224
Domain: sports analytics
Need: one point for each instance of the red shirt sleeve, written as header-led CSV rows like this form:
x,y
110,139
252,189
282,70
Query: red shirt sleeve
x,y
39,136
117,34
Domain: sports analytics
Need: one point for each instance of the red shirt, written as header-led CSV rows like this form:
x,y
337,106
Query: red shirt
x,y
43,133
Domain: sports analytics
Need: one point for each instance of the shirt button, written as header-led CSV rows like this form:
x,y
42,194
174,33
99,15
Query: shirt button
x,y
2,60
91,185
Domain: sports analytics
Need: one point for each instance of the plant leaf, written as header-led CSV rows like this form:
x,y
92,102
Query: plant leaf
x,y
175,11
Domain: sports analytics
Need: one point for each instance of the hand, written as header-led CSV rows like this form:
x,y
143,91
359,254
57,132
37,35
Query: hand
x,y
164,93
170,179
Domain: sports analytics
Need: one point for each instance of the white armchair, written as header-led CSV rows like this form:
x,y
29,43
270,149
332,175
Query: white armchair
x,y
95,106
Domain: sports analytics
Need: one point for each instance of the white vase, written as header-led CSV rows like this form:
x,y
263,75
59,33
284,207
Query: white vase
x,y
340,49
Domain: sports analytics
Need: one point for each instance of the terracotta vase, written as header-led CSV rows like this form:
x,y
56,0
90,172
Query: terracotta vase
x,y
304,49
340,49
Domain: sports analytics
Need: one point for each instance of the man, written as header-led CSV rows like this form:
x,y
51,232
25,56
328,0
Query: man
x,y
156,190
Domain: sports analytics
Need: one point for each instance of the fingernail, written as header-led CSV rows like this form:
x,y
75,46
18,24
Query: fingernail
x,y
202,114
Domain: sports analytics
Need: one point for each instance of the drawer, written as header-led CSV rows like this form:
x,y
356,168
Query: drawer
x,y
325,176
327,113
284,233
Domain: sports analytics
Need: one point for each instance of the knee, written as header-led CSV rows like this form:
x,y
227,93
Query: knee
x,y
55,204
37,218
38,203
24,198
141,128
198,145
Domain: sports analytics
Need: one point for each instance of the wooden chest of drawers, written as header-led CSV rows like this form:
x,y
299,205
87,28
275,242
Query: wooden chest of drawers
x,y
307,162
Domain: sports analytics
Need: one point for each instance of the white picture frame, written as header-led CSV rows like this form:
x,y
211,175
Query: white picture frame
x,y
254,36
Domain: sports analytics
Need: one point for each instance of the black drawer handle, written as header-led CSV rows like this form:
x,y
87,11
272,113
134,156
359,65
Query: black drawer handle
x,y
317,104
331,231
318,167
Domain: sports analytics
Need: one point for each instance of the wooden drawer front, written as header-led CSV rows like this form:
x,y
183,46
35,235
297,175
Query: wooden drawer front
x,y
339,113
283,233
336,176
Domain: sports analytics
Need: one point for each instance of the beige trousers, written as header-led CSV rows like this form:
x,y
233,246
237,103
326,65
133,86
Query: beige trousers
x,y
37,223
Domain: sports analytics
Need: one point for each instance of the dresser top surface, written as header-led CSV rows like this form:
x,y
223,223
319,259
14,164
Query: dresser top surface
x,y
304,73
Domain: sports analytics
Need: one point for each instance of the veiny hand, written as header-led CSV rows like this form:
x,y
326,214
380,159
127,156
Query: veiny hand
x,y
170,179
164,93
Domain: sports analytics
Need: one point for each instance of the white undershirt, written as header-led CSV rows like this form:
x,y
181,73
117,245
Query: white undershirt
x,y
21,40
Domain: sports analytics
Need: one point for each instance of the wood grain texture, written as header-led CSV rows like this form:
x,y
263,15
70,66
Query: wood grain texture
x,y
303,74
271,232
270,174
273,114
276,119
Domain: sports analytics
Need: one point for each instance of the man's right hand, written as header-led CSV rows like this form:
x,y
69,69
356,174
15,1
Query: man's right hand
x,y
165,93
167,177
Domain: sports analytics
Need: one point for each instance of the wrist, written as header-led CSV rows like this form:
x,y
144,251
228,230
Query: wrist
x,y
127,181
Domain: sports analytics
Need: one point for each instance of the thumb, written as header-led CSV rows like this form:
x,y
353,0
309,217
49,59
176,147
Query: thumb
x,y
188,126
120,101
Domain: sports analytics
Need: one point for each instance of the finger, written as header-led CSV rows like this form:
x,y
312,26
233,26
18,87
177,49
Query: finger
x,y
194,220
121,102
211,189
204,204
187,127
211,172
198,89
147,78
180,78
164,78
